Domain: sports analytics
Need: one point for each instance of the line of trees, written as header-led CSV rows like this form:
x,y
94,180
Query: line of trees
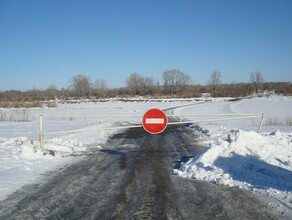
x,y
136,84
82,86
174,83
239,89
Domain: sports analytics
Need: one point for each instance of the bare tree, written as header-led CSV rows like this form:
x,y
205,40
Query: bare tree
x,y
149,84
214,81
157,88
135,84
183,82
256,79
100,87
169,77
175,81
81,85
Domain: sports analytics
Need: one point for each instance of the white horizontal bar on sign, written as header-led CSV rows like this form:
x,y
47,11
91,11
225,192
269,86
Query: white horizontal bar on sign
x,y
154,121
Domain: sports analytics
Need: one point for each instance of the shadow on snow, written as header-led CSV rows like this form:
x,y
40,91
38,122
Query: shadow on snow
x,y
256,172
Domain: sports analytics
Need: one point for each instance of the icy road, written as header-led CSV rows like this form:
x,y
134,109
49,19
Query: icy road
x,y
131,178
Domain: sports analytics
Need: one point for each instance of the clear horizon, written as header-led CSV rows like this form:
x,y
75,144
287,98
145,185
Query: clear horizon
x,y
48,42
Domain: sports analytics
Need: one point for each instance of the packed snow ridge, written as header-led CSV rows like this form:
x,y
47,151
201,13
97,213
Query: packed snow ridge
x,y
246,159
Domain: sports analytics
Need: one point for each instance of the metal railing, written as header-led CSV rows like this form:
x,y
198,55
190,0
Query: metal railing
x,y
235,117
98,119
178,119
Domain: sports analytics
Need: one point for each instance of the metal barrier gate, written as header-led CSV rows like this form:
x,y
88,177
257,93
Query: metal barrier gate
x,y
178,119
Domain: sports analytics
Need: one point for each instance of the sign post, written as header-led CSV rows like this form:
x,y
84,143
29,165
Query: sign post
x,y
154,121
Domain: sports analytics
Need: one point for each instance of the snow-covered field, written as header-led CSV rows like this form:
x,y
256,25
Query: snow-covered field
x,y
235,154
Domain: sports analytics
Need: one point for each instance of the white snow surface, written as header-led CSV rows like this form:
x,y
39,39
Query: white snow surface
x,y
235,155
21,163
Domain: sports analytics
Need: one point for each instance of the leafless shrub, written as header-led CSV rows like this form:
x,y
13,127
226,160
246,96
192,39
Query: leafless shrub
x,y
51,104
276,122
285,91
4,104
16,115
289,121
20,104
272,122
233,90
20,115
190,94
26,104
2,116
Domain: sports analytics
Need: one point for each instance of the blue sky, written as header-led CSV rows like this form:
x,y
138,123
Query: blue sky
x,y
44,42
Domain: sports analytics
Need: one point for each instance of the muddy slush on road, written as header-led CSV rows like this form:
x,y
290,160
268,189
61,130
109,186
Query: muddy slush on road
x,y
132,178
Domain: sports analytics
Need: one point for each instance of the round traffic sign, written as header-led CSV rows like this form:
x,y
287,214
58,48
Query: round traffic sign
x,y
154,121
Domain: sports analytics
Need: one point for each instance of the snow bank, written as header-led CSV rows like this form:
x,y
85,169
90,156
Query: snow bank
x,y
246,159
22,162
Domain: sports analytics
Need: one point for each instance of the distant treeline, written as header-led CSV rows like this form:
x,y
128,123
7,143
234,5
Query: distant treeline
x,y
174,84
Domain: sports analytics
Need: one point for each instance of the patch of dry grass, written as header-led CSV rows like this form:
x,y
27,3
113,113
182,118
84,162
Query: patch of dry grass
x,y
17,115
26,104
277,122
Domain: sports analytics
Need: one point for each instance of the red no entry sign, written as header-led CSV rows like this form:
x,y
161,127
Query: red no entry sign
x,y
154,121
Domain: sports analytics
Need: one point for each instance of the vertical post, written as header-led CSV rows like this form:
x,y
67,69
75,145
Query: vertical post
x,y
260,127
41,134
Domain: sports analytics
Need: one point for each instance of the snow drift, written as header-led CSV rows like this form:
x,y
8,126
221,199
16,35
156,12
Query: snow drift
x,y
246,159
